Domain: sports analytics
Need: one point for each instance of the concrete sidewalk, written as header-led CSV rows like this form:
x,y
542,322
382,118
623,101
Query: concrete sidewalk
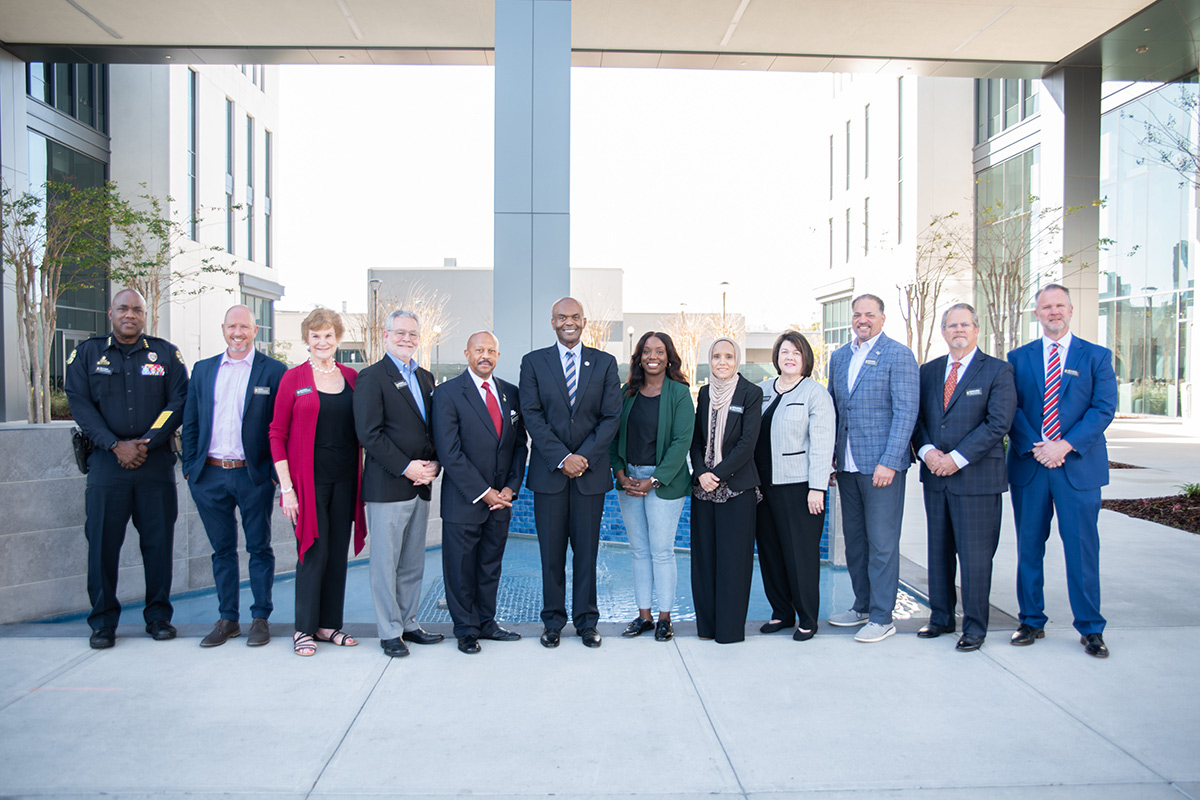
x,y
768,718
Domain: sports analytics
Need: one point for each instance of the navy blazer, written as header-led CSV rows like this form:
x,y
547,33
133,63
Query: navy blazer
x,y
1087,403
974,423
391,431
473,456
556,429
257,410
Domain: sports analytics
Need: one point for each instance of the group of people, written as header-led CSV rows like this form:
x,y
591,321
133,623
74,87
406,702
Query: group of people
x,y
350,453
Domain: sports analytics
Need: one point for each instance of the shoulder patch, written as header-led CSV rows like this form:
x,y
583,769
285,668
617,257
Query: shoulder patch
x,y
71,357
179,356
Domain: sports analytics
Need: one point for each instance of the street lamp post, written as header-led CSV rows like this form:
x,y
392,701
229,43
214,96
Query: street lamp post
x,y
437,353
725,285
629,330
373,319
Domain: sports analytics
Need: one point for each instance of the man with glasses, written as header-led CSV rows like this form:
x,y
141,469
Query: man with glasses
x,y
392,405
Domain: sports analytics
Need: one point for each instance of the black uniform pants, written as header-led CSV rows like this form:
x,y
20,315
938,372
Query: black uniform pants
x,y
321,576
115,495
570,517
789,553
722,566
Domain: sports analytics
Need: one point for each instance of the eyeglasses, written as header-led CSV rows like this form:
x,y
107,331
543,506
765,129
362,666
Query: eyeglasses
x,y
403,334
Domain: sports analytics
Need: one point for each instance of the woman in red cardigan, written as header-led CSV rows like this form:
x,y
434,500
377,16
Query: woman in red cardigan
x,y
319,462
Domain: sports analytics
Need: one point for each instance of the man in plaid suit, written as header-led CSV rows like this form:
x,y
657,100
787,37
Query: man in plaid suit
x,y
874,384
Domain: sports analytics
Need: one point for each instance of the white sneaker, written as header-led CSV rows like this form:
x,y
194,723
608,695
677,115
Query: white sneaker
x,y
848,619
874,632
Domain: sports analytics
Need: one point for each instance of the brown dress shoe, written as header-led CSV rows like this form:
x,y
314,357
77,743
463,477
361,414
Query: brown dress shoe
x,y
260,633
223,631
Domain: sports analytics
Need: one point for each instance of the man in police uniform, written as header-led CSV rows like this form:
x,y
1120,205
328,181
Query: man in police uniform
x,y
127,393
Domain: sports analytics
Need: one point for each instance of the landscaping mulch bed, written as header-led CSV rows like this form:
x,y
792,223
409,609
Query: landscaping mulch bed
x,y
1178,512
1122,465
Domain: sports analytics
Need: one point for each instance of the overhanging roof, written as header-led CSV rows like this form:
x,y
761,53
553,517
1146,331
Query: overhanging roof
x,y
971,38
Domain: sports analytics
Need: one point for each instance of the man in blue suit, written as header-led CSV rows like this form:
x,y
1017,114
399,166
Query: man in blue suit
x,y
1057,462
227,463
874,385
967,404
480,438
571,400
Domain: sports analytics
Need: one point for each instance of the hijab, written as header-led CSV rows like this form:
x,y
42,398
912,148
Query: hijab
x,y
720,395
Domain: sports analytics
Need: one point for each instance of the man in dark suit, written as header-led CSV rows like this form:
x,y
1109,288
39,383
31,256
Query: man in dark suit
x,y
571,400
1057,462
227,464
392,405
873,381
967,404
480,438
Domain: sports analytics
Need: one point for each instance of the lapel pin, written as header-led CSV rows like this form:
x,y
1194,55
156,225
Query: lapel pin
x,y
587,363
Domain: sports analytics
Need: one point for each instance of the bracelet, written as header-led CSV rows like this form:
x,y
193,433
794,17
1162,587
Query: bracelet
x,y
288,490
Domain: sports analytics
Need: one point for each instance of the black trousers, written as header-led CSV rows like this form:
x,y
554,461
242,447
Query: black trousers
x,y
113,496
722,566
561,518
321,576
963,528
789,553
471,559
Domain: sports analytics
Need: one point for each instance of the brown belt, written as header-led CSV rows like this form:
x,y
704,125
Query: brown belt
x,y
216,462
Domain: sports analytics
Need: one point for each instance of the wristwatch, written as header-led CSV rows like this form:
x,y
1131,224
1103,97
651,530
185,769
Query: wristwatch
x,y
655,482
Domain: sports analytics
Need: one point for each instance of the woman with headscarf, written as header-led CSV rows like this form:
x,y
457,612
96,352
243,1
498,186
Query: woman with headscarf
x,y
724,494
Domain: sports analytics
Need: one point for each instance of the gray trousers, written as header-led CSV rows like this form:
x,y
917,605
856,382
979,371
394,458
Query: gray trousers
x,y
871,520
397,566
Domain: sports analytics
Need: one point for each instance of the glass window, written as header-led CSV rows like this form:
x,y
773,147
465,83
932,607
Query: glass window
x,y
64,88
847,236
1029,98
250,187
847,154
85,87
835,322
831,166
831,242
37,81
993,107
264,315
866,225
1012,103
229,136
193,161
867,141
268,176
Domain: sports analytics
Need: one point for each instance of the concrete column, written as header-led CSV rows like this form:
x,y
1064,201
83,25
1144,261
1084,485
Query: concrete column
x,y
532,172
1070,177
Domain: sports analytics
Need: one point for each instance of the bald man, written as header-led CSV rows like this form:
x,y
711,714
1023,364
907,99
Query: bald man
x,y
227,463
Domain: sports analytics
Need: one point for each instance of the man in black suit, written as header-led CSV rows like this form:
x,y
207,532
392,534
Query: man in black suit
x,y
392,405
480,438
967,404
227,463
571,400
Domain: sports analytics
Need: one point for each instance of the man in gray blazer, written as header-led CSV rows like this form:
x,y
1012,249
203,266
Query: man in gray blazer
x,y
873,383
968,400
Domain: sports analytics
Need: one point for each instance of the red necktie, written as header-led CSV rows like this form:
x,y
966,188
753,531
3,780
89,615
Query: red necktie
x,y
1050,427
951,382
493,407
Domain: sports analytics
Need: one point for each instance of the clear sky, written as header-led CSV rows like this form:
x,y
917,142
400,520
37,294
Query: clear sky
x,y
681,178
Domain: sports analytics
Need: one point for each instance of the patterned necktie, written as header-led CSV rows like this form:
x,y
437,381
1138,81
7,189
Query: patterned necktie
x,y
1050,427
951,382
493,407
571,377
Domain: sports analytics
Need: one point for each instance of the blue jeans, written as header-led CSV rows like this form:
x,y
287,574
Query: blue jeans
x,y
650,523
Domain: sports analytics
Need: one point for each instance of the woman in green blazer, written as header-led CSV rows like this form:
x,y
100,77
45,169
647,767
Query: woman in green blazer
x,y
649,461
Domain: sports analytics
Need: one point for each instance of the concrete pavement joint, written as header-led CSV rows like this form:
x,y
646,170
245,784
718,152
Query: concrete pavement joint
x,y
349,727
1179,789
54,673
712,725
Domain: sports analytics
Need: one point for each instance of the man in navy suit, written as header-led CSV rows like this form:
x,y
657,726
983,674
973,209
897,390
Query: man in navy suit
x,y
393,401
227,463
967,404
874,385
571,400
480,438
1057,462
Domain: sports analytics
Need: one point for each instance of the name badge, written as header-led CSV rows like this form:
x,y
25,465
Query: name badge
x,y
153,369
1074,373
735,409
871,362
104,370
512,417
974,392
262,389
304,391
402,384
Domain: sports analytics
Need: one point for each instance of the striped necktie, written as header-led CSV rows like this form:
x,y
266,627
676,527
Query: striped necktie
x,y
571,377
1050,427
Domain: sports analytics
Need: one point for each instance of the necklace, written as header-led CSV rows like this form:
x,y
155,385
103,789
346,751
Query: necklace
x,y
322,371
782,386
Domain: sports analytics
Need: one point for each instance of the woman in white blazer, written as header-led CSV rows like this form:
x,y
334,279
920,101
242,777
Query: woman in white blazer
x,y
794,455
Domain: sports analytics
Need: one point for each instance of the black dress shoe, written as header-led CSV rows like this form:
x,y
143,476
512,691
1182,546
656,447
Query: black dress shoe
x,y
967,643
1026,635
550,637
501,635
932,630
103,638
222,632
664,631
802,635
160,630
422,637
1093,645
468,644
771,626
590,637
396,648
637,627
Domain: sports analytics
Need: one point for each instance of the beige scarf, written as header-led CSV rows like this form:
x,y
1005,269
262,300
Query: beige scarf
x,y
720,395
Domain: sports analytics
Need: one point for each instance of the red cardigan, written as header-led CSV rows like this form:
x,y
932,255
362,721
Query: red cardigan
x,y
293,439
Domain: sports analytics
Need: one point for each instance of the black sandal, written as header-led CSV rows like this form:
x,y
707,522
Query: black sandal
x,y
302,641
336,642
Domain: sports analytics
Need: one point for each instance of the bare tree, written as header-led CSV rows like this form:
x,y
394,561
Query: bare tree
x,y
1169,122
686,330
730,326
943,249
430,308
602,317
54,241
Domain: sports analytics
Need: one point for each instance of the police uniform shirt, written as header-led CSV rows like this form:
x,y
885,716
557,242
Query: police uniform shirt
x,y
133,391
